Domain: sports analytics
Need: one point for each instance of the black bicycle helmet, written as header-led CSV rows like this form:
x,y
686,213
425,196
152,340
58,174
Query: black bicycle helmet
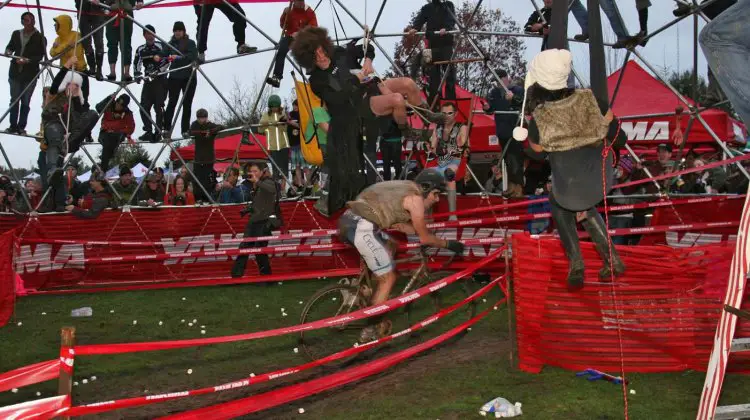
x,y
430,180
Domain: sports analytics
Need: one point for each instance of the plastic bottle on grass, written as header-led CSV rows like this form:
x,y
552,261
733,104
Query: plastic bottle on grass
x,y
82,312
501,408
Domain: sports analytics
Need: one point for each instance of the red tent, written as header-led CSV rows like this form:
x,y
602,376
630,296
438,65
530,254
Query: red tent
x,y
225,148
641,94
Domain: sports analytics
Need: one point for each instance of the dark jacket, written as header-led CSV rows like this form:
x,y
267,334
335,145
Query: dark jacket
x,y
537,18
144,58
437,16
58,101
149,194
189,51
34,51
99,202
265,200
718,7
504,123
88,7
205,136
232,195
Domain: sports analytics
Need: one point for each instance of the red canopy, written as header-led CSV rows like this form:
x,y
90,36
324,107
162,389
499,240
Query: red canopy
x,y
225,148
642,94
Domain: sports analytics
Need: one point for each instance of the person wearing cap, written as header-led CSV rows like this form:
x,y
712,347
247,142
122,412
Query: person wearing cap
x,y
293,18
204,133
66,48
180,80
100,198
501,102
153,194
569,126
204,11
125,185
28,45
273,125
117,124
151,59
64,102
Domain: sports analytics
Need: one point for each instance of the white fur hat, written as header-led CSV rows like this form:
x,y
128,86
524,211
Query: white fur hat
x,y
71,77
550,69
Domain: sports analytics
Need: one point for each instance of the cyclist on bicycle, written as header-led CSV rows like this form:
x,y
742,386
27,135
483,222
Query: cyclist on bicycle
x,y
399,205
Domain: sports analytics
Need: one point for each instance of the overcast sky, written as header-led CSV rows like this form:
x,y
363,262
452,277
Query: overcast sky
x,y
673,49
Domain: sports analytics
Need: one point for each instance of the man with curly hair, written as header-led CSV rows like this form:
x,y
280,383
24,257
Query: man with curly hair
x,y
341,78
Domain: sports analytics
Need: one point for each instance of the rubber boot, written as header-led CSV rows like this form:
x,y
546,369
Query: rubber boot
x,y
99,63
451,203
566,228
594,225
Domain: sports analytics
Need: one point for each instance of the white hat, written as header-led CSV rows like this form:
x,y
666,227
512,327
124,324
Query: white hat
x,y
550,69
71,77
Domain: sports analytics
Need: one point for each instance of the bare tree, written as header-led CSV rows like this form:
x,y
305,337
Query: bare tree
x,y
241,99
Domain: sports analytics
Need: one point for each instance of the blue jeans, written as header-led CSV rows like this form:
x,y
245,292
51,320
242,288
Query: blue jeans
x,y
726,43
610,10
18,120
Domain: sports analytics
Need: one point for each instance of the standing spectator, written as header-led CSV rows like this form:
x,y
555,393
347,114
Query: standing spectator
x,y
65,47
204,11
494,184
179,195
100,198
117,125
125,185
615,20
500,101
204,133
229,192
178,80
292,20
273,125
28,44
153,194
265,215
152,56
440,17
293,133
120,34
91,17
390,148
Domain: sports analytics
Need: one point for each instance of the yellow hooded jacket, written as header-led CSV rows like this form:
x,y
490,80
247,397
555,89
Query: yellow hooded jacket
x,y
67,37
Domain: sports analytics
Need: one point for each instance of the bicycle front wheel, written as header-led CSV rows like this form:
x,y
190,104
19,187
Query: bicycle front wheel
x,y
334,300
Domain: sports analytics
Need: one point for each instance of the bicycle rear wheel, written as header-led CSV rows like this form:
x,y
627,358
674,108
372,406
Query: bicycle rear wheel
x,y
334,300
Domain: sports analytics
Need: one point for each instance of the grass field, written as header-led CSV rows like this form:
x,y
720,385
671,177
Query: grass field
x,y
450,382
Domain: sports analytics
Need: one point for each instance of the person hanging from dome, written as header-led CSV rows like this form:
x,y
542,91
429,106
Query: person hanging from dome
x,y
569,126
341,78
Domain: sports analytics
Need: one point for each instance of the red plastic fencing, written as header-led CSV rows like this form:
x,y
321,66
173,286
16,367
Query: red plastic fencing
x,y
668,304
7,277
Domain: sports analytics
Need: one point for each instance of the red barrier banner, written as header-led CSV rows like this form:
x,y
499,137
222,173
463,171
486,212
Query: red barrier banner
x,y
45,408
29,375
665,307
384,307
255,403
7,276
104,406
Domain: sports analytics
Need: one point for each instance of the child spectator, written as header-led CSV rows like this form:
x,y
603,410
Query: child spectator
x,y
117,124
204,132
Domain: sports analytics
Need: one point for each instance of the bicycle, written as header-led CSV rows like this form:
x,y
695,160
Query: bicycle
x,y
349,295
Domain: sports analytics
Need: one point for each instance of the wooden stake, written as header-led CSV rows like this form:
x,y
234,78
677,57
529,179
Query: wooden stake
x,y
67,358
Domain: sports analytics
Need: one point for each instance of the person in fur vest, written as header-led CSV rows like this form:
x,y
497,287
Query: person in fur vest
x,y
569,126
117,124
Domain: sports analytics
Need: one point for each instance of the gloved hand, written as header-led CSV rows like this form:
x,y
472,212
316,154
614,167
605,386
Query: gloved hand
x,y
456,247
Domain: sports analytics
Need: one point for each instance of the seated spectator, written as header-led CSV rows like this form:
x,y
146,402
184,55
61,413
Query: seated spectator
x,y
76,189
247,185
494,184
539,21
622,220
229,192
117,125
185,175
153,194
179,195
34,192
160,177
125,186
100,198
692,183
